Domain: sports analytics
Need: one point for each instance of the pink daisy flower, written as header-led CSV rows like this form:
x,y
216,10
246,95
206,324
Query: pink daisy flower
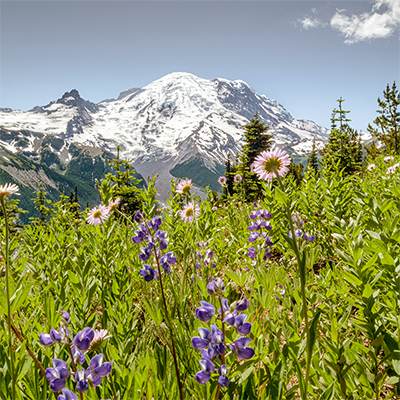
x,y
184,186
388,159
271,164
190,212
222,180
8,189
391,170
113,204
98,215
237,178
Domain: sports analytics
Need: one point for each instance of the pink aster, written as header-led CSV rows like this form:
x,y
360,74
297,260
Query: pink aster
x,y
184,186
237,178
190,212
8,189
222,180
271,164
98,215
113,204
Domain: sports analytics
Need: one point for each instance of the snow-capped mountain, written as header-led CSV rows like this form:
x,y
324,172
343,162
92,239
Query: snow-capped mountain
x,y
178,125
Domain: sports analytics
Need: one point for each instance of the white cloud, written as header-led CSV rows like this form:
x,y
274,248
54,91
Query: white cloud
x,y
311,23
382,21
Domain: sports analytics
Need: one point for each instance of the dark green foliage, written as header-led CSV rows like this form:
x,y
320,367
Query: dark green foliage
x,y
296,170
385,128
257,138
42,207
200,174
312,162
343,151
122,183
229,174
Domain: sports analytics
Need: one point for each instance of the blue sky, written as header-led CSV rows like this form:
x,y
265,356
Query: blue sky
x,y
305,54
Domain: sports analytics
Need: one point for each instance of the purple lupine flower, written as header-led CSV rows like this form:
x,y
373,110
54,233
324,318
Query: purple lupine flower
x,y
298,233
204,375
254,214
98,369
242,304
230,318
139,236
251,252
202,341
265,214
239,347
268,241
45,339
253,236
241,326
217,340
55,335
215,285
67,395
205,311
253,227
155,223
225,307
57,376
83,338
138,216
145,253
167,260
309,238
148,273
222,379
66,317
81,380
78,356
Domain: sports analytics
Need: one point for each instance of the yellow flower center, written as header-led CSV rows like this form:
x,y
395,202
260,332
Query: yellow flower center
x,y
186,189
189,212
272,165
97,214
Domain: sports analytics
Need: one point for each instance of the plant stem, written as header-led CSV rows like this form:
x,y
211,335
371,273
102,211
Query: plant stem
x,y
173,347
303,278
7,261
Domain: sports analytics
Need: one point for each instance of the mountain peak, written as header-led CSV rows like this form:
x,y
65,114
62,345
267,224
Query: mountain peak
x,y
71,94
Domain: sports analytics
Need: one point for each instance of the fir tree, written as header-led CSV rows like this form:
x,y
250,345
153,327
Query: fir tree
x,y
343,151
229,174
42,206
296,170
386,126
121,184
312,162
257,138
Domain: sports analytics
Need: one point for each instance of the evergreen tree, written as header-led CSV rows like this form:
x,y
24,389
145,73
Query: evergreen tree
x,y
122,184
229,174
386,126
312,162
257,138
343,151
296,170
42,206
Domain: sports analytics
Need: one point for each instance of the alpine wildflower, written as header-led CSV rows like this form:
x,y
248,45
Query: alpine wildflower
x,y
190,212
271,164
97,215
184,186
8,189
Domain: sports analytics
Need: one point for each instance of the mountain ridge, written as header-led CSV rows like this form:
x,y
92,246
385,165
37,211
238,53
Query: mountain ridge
x,y
178,119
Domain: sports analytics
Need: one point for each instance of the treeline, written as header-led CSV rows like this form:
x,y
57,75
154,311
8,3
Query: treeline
x,y
343,153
